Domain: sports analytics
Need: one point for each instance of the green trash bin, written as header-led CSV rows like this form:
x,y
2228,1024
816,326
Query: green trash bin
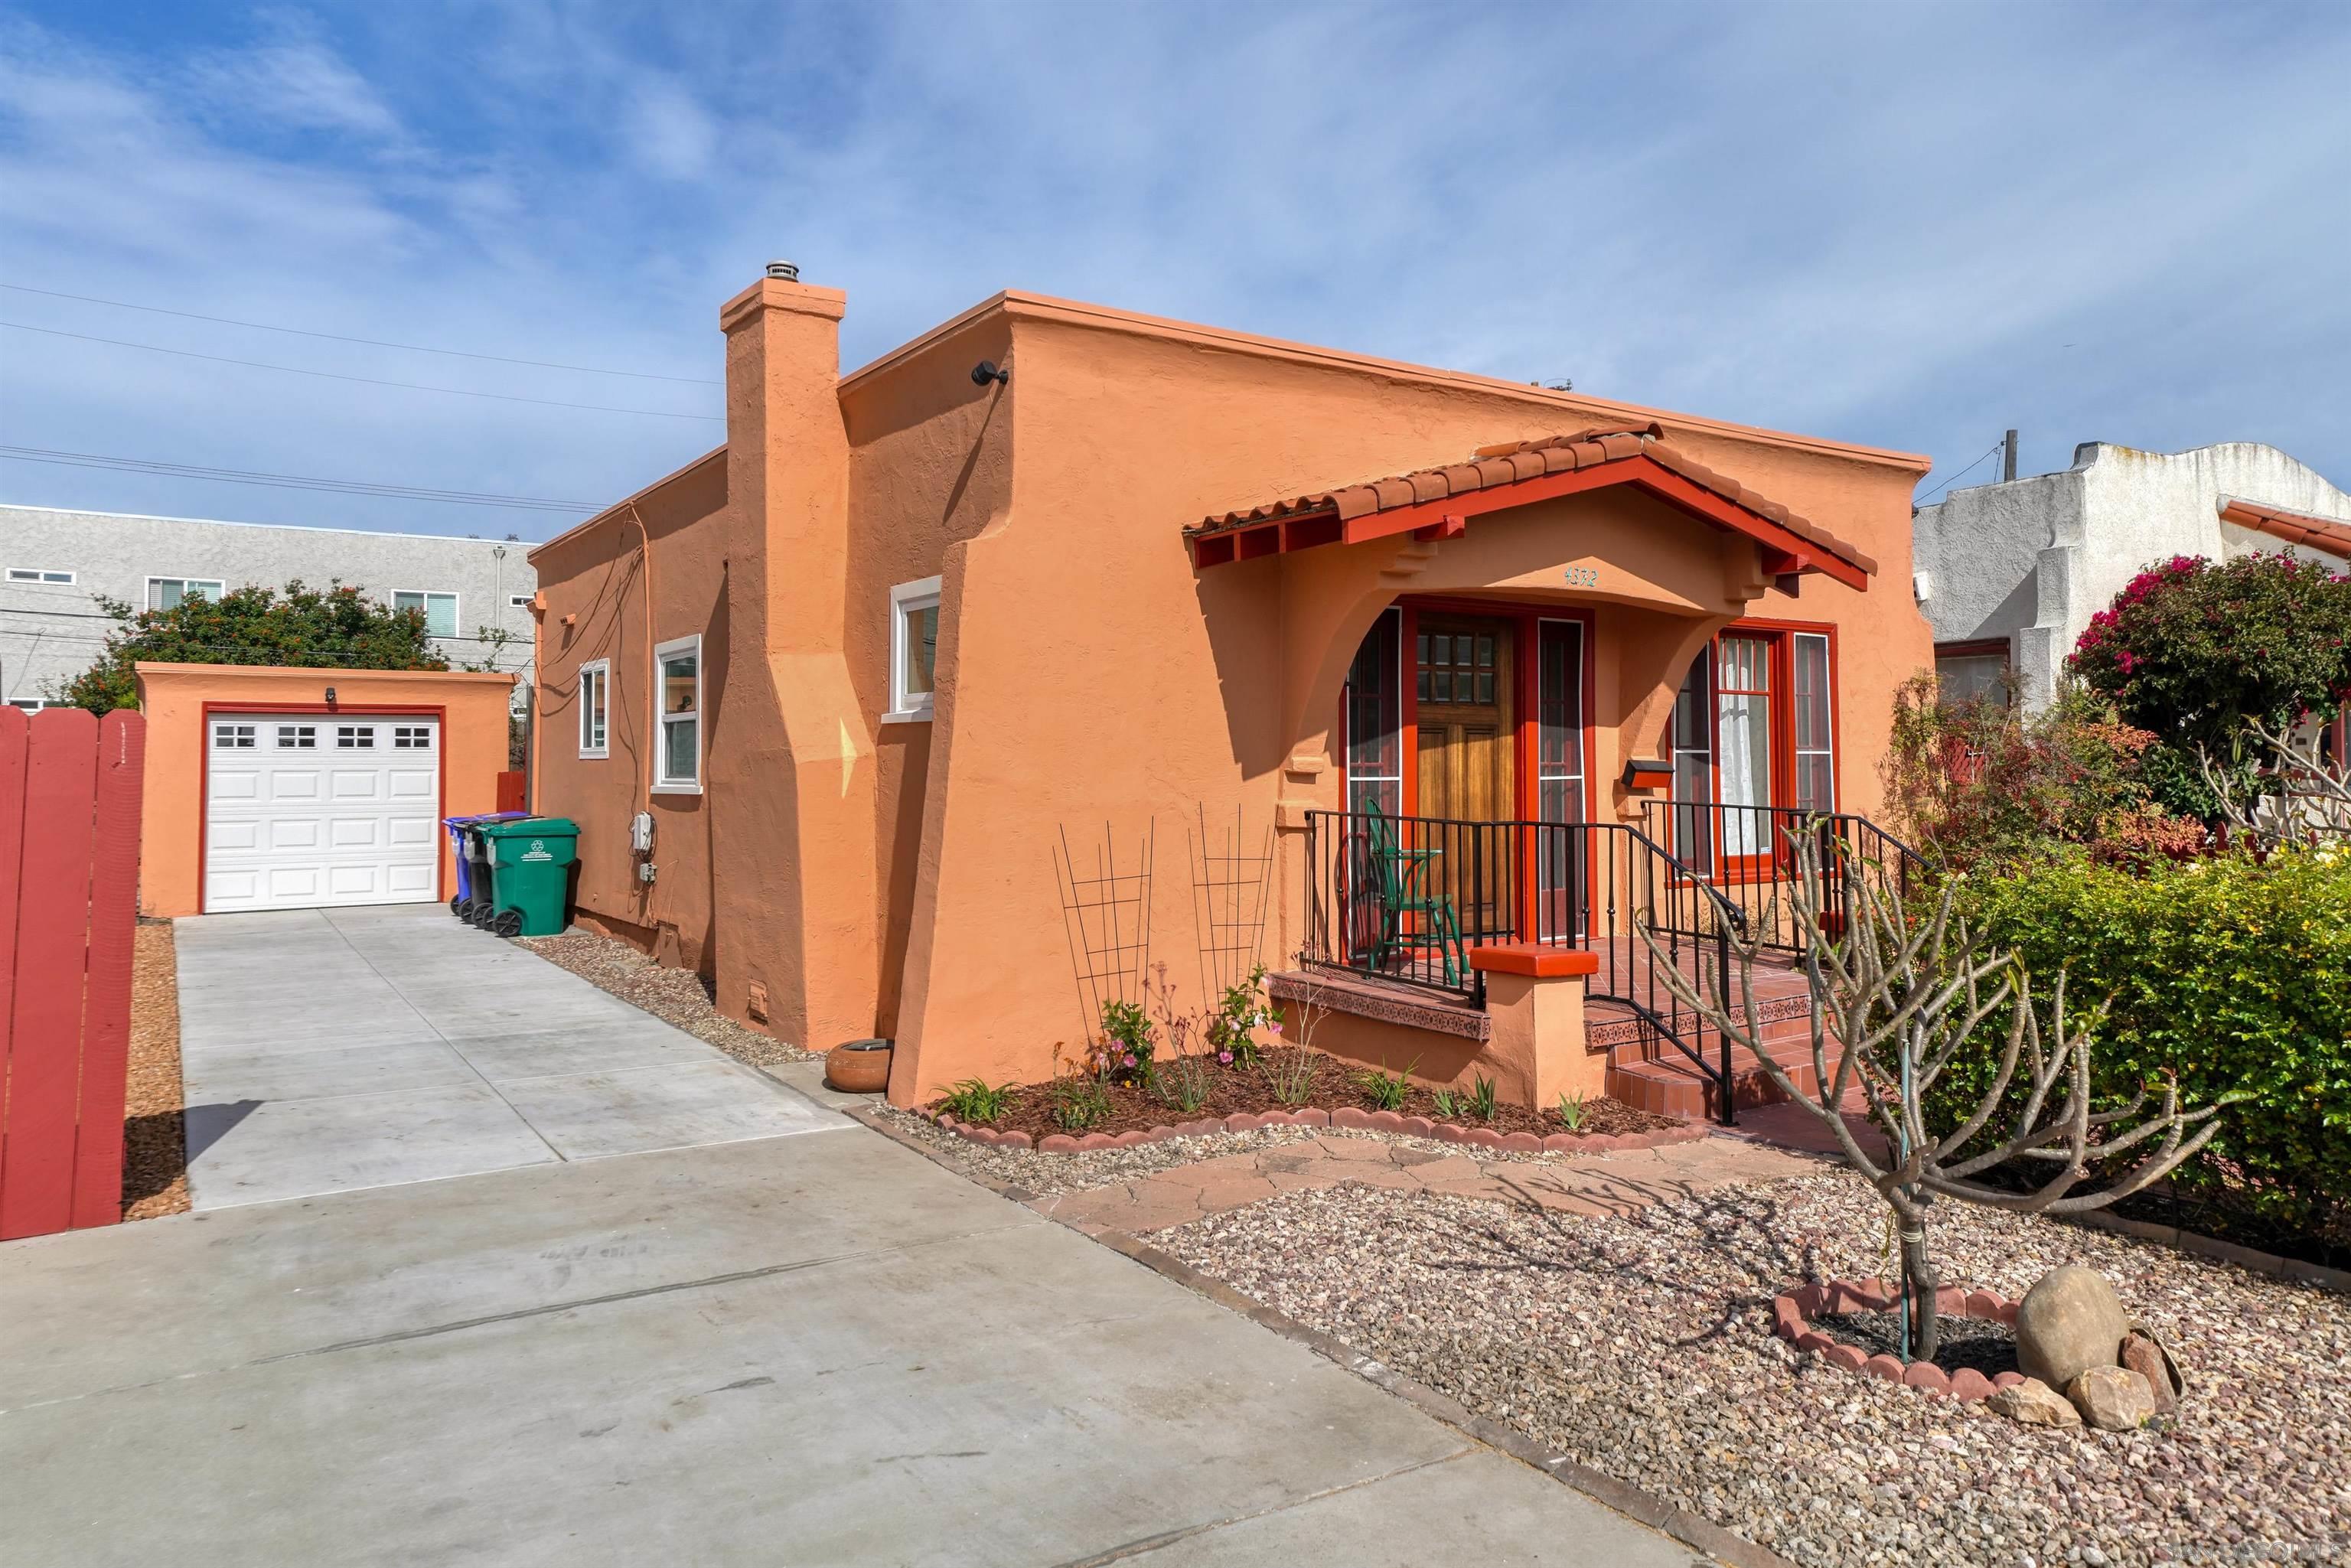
x,y
530,873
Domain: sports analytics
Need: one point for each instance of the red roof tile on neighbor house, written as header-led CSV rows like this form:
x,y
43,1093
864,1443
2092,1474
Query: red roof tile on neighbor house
x,y
2318,533
1518,462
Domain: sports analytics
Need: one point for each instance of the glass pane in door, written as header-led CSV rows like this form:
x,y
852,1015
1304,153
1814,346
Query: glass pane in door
x,y
1743,744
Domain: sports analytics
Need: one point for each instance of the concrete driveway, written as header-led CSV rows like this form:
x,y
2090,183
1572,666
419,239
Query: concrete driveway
x,y
329,1049
796,1350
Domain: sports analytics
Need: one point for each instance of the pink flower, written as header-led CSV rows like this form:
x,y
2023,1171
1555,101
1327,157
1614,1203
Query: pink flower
x,y
1129,1059
1226,1056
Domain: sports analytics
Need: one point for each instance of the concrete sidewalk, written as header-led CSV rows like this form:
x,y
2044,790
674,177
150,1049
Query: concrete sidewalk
x,y
329,1050
798,1350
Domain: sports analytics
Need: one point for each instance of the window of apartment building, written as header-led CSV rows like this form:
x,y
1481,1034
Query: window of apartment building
x,y
439,609
914,648
33,704
677,688
595,694
170,593
518,600
1966,671
39,574
1754,732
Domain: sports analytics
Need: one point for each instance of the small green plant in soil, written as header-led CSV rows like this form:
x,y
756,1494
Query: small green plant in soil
x,y
1124,1053
1571,1109
1482,1098
1079,1101
1181,1083
973,1100
1292,1076
1387,1090
1448,1103
1240,1012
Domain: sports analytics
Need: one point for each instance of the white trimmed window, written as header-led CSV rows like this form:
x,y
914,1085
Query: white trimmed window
x,y
518,600
913,649
677,697
170,593
37,574
595,698
439,609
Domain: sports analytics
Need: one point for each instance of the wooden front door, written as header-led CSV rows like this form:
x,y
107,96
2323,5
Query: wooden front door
x,y
1466,682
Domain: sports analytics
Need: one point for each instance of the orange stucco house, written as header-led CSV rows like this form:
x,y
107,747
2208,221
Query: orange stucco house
x,y
937,702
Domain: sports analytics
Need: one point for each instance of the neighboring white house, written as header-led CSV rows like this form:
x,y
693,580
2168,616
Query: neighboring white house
x,y
54,564
2009,574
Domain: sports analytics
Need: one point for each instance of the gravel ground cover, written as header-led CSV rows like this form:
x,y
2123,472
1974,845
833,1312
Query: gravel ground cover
x,y
673,996
154,1141
1643,1346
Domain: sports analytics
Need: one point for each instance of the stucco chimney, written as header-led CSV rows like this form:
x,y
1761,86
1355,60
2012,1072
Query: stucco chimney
x,y
791,787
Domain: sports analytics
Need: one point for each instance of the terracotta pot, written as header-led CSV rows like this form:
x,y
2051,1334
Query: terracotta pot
x,y
858,1067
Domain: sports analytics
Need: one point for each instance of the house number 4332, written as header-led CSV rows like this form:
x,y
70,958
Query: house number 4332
x,y
1584,576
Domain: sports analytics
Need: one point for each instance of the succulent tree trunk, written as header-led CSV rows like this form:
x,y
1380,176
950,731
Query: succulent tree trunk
x,y
1898,992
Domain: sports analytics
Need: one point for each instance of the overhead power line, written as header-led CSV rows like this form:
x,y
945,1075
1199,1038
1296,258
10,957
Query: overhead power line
x,y
1962,474
363,381
371,342
289,481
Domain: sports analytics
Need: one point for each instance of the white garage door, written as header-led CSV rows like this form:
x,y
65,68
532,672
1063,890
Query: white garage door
x,y
308,809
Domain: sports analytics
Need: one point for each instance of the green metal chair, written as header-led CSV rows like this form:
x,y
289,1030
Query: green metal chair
x,y
1402,877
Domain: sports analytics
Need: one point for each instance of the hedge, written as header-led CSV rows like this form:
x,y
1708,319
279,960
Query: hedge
x,y
2235,973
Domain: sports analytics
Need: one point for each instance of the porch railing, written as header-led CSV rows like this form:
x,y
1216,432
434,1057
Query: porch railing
x,y
1403,899
1748,855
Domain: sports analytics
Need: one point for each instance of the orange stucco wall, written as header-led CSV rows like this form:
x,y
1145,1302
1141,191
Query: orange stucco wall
x,y
900,877
175,697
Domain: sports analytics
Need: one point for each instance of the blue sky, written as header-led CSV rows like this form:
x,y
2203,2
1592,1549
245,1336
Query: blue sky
x,y
1911,225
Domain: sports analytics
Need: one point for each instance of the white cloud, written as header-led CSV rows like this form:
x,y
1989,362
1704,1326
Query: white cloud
x,y
293,79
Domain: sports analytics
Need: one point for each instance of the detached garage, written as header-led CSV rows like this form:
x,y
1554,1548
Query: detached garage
x,y
307,788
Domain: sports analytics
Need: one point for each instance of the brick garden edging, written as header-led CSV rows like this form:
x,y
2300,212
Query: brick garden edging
x,y
1791,1318
1346,1117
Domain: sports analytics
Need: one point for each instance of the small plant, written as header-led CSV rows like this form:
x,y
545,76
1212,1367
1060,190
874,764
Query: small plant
x,y
1127,1044
1387,1090
1293,1074
1240,1012
1181,1083
1079,1101
1449,1104
973,1100
1571,1109
1482,1098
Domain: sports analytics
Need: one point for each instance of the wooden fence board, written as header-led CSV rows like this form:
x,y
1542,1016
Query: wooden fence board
x,y
52,955
106,1013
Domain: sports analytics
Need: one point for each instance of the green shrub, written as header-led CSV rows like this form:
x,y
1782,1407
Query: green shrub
x,y
971,1100
2232,973
1128,1041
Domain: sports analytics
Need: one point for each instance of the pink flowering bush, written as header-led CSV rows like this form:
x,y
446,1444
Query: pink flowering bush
x,y
2190,649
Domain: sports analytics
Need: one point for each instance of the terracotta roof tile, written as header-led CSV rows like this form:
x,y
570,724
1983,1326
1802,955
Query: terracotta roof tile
x,y
2331,534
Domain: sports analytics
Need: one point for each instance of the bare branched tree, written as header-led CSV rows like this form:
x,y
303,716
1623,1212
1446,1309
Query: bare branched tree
x,y
2301,797
1897,996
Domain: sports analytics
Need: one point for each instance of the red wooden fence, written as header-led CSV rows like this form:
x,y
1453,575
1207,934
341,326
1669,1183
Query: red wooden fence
x,y
511,792
69,794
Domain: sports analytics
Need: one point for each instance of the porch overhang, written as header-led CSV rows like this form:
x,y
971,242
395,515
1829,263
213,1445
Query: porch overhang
x,y
1437,504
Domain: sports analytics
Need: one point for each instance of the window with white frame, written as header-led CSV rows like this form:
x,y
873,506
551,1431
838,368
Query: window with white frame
x,y
677,693
33,704
38,574
298,737
595,697
518,600
355,737
233,737
439,609
411,737
170,593
914,648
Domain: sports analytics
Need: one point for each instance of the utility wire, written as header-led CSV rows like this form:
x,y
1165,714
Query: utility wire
x,y
288,481
1962,474
371,342
363,381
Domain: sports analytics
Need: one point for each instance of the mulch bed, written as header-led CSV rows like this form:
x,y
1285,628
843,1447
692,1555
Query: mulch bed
x,y
1249,1090
1988,1348
154,1141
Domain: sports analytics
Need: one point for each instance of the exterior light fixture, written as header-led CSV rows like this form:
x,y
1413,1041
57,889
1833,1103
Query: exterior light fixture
x,y
1648,773
330,699
989,371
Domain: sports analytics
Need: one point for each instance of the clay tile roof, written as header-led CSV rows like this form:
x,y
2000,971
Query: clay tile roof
x,y
2329,534
1512,461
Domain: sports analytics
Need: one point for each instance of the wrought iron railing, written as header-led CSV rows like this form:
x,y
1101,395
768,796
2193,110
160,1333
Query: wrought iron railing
x,y
1748,854
1403,900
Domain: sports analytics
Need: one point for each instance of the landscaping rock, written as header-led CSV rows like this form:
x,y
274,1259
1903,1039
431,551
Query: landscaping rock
x,y
2034,1403
2151,1359
2111,1398
2070,1322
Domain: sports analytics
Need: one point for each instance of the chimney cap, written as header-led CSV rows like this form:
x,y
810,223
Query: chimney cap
x,y
788,272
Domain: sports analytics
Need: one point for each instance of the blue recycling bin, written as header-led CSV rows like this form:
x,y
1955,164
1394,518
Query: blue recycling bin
x,y
473,895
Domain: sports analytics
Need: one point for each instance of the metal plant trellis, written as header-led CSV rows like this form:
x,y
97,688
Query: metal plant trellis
x,y
1230,881
1107,917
